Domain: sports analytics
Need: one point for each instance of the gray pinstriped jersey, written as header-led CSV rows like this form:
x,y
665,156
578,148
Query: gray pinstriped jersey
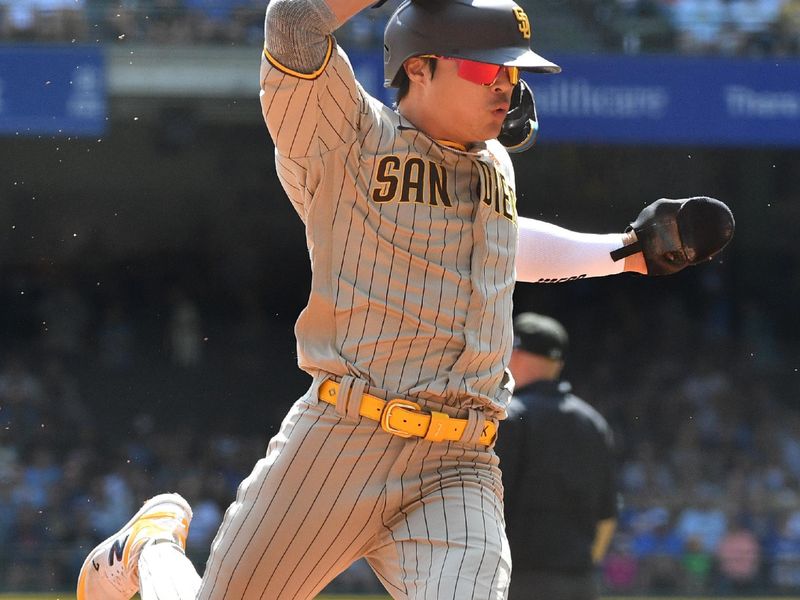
x,y
412,243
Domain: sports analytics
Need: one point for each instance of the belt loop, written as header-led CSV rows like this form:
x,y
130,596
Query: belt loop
x,y
357,388
343,395
475,422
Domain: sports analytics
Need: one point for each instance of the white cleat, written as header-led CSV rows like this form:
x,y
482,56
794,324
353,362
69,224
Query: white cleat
x,y
110,572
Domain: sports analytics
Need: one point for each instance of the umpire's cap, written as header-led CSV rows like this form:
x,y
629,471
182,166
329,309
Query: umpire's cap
x,y
539,334
490,31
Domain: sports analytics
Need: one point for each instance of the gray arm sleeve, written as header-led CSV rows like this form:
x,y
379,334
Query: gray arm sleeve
x,y
295,33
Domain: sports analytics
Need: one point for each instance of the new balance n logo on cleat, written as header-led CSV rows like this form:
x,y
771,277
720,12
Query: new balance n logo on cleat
x,y
117,550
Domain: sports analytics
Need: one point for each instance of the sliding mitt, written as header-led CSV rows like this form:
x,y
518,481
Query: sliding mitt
x,y
673,234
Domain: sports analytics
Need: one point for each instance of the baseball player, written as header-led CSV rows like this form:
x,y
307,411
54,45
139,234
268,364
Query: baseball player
x,y
415,244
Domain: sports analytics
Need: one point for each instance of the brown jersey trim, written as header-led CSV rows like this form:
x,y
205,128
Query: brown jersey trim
x,y
298,74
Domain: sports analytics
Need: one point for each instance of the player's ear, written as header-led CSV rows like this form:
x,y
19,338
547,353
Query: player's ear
x,y
417,69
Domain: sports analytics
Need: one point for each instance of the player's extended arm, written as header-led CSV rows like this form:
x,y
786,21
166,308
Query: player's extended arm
x,y
667,236
548,253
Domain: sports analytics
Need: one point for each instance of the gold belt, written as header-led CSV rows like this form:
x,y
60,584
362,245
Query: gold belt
x,y
405,418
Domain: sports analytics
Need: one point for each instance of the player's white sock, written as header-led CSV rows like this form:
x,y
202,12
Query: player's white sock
x,y
166,574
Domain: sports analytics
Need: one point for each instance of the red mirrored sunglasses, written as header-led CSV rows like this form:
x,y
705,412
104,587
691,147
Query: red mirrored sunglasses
x,y
479,72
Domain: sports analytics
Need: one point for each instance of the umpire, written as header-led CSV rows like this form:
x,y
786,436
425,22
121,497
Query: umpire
x,y
556,456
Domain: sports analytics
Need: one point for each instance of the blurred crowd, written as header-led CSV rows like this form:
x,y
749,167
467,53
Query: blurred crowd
x,y
123,383
717,27
155,22
703,27
709,479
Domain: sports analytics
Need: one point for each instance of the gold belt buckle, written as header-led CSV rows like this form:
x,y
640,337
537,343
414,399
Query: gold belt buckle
x,y
387,411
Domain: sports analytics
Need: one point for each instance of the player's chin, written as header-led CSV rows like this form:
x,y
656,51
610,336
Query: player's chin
x,y
492,131
487,129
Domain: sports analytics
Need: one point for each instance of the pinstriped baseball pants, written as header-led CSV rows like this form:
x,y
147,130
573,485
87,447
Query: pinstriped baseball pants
x,y
428,516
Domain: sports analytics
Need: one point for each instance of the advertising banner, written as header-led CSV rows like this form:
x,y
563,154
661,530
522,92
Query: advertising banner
x,y
670,100
52,90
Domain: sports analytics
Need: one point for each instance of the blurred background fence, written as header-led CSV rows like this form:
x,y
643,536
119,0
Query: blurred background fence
x,y
152,270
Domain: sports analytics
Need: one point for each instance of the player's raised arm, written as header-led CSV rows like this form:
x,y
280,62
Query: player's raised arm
x,y
344,9
310,99
297,35
296,31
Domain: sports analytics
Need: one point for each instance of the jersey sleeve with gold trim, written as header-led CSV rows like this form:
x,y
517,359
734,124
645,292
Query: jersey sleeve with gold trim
x,y
310,114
